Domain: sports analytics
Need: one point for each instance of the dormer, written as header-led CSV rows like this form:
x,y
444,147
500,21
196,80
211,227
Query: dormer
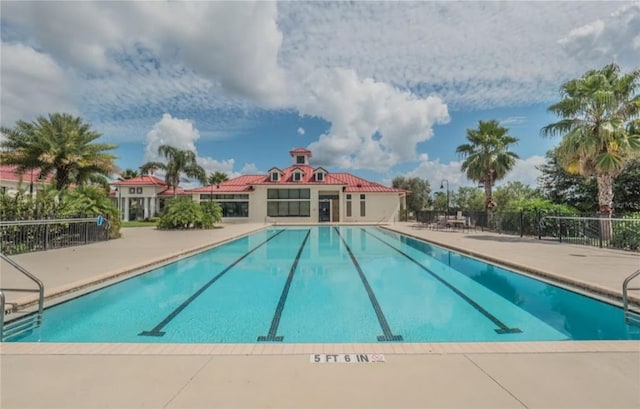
x,y
319,174
300,156
297,175
275,174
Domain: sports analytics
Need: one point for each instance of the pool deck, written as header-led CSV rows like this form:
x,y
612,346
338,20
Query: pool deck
x,y
469,375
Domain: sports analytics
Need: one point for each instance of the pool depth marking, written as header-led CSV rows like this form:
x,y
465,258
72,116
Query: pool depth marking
x,y
275,322
503,329
388,335
156,331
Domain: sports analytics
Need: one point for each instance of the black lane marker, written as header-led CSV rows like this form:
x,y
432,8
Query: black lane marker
x,y
155,332
387,335
503,329
271,337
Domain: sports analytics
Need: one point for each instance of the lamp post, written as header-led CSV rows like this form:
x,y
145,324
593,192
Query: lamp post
x,y
119,204
442,187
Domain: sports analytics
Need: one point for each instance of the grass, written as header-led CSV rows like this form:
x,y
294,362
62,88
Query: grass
x,y
136,223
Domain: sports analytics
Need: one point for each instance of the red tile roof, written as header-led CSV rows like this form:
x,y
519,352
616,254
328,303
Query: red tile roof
x,y
144,180
300,151
169,192
9,172
349,182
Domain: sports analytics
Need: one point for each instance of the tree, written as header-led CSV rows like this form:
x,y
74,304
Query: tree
x,y
440,201
513,195
128,174
581,192
487,157
60,144
178,162
420,191
468,198
598,126
215,178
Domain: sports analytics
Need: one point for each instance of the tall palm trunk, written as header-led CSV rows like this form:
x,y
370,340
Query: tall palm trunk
x,y
605,204
488,197
605,193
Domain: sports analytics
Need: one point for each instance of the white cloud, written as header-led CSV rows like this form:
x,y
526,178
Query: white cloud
x,y
373,125
182,134
250,169
525,171
300,131
32,85
513,121
234,43
615,37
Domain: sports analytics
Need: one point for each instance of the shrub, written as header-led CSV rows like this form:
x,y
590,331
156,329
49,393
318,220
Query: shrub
x,y
626,234
184,213
92,201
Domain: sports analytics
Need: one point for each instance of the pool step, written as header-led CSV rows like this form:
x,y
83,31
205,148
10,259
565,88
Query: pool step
x,y
21,325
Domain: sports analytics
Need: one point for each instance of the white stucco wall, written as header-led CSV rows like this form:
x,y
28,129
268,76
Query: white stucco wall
x,y
380,207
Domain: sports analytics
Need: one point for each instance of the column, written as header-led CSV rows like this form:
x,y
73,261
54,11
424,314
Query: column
x,y
153,206
146,207
126,208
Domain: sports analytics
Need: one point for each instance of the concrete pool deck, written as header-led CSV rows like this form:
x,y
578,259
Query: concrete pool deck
x,y
471,375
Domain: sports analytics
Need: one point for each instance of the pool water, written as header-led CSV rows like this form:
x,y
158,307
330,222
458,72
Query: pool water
x,y
330,284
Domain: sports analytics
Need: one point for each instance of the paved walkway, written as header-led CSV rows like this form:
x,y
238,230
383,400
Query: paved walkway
x,y
533,375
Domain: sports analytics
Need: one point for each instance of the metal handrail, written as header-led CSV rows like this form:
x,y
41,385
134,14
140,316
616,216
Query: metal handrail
x,y
625,288
32,278
1,313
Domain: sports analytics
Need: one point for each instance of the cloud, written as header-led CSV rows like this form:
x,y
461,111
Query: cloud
x,y
513,121
300,131
182,134
234,43
615,37
32,85
373,125
250,169
525,171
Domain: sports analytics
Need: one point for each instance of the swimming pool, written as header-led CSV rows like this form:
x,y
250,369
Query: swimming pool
x,y
329,284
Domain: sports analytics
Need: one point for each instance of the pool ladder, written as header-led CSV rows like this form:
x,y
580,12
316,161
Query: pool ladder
x,y
631,317
28,319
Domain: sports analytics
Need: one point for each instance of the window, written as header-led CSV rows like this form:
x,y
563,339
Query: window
x,y
297,176
349,206
319,176
132,190
288,202
300,160
362,206
139,190
275,176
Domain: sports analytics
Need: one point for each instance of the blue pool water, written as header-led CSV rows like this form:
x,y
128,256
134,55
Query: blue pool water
x,y
330,284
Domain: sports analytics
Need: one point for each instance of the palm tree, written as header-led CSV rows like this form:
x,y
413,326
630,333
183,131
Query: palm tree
x,y
599,129
128,174
61,144
487,157
178,162
217,178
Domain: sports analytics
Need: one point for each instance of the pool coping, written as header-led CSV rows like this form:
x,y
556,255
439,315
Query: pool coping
x,y
391,348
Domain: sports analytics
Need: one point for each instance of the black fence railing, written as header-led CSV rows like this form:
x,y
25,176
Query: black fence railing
x,y
23,236
618,233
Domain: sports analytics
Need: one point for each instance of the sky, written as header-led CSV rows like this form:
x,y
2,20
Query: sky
x,y
377,89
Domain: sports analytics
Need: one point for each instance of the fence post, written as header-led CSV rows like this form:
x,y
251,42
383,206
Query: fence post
x,y
86,232
46,236
521,223
559,221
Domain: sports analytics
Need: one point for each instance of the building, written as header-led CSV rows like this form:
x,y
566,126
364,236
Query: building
x,y
301,193
142,197
11,181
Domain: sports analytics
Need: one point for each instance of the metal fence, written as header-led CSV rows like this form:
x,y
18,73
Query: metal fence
x,y
619,233
23,236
